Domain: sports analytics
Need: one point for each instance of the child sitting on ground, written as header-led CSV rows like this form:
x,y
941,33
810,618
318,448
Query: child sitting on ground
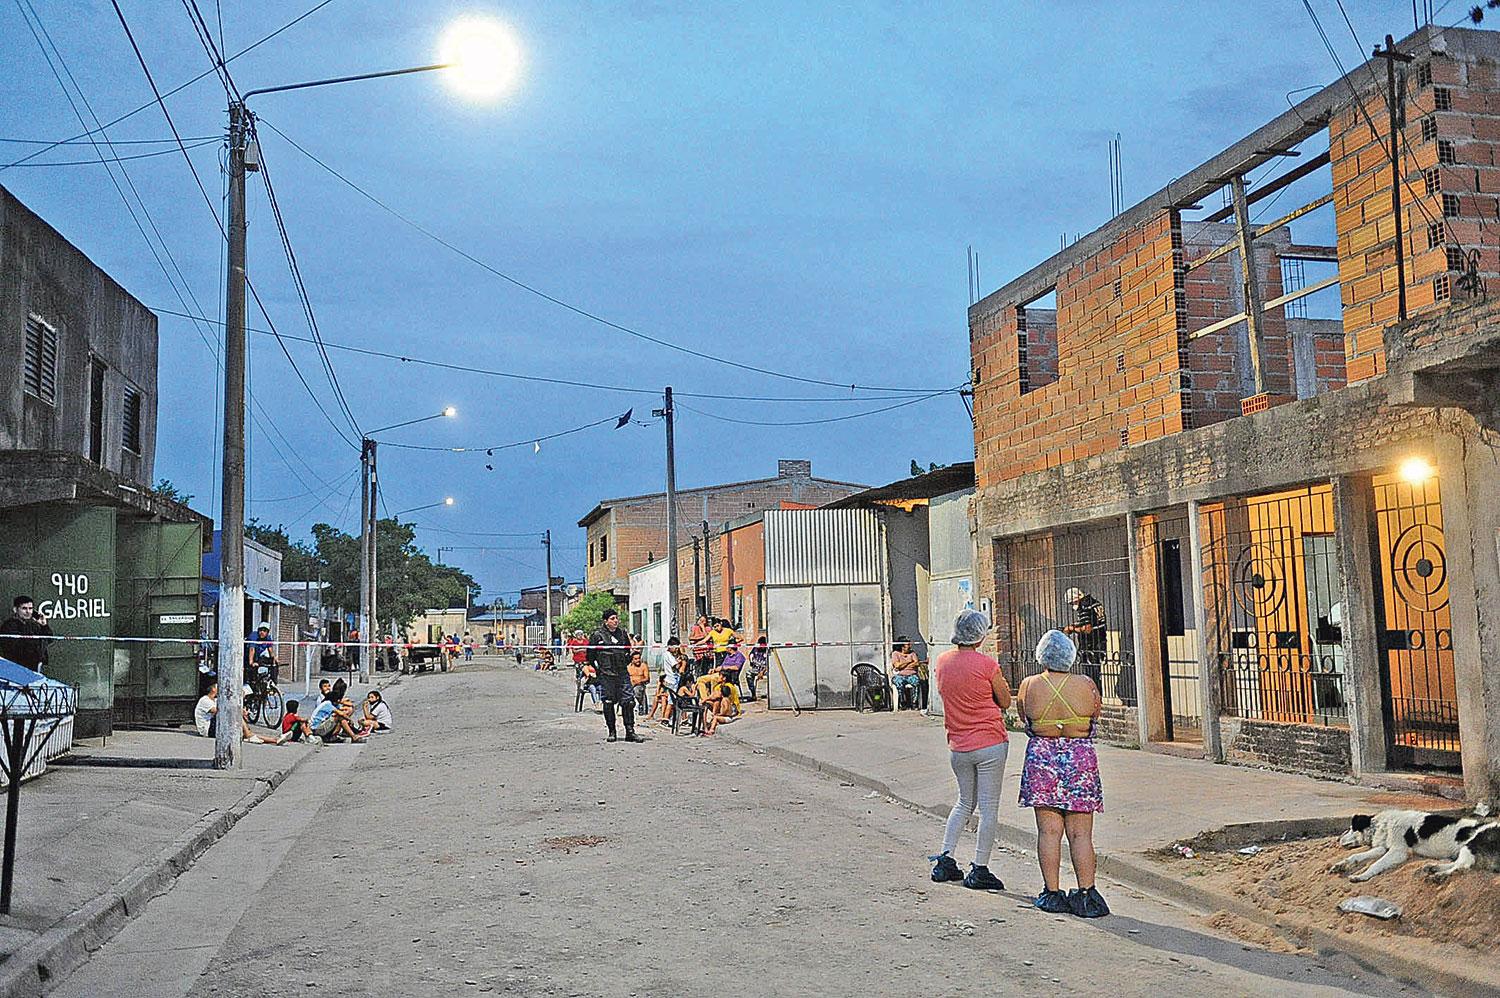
x,y
720,700
294,727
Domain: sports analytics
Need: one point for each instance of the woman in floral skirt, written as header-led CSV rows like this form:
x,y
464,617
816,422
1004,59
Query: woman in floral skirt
x,y
1060,777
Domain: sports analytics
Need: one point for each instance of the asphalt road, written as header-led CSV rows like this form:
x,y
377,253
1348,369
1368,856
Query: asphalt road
x,y
495,844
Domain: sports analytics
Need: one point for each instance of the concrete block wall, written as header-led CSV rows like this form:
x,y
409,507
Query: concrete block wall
x,y
1302,748
1454,116
1120,360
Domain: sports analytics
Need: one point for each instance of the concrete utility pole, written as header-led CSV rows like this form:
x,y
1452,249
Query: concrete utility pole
x,y
708,575
366,568
1391,57
228,729
547,603
367,658
697,580
666,412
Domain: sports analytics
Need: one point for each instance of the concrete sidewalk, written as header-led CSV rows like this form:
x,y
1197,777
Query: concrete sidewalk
x,y
112,824
1151,800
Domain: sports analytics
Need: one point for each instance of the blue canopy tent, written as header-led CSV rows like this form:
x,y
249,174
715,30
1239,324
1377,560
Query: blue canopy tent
x,y
36,724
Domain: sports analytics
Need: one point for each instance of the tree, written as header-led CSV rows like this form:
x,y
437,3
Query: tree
x,y
588,615
409,582
164,489
299,561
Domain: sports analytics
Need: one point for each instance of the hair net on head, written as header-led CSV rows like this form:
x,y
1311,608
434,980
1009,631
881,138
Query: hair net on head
x,y
1056,652
970,627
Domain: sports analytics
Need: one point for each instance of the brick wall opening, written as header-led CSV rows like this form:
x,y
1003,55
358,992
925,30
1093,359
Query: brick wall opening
x,y
1036,323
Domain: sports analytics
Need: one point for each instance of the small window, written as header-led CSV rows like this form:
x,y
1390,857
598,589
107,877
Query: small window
x,y
1429,128
130,431
604,548
1434,179
40,372
1446,153
1450,205
1434,235
1455,258
737,605
1441,287
591,554
1442,98
1424,74
656,622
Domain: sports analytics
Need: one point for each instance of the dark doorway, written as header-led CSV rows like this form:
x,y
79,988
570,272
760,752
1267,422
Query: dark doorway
x,y
96,410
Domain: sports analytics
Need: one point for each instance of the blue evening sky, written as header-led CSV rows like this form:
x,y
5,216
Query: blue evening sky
x,y
789,185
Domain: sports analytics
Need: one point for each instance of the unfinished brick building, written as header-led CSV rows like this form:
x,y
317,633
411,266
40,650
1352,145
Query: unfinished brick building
x,y
631,531
1289,523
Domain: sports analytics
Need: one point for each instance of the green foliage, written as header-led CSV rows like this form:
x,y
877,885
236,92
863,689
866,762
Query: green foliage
x,y
588,615
409,582
164,489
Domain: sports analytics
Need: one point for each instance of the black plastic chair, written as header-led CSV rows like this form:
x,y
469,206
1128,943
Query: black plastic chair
x,y
871,688
689,708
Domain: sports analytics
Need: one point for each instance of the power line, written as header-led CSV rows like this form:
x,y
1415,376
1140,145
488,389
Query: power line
x,y
569,306
535,378
181,86
53,143
817,422
118,159
505,446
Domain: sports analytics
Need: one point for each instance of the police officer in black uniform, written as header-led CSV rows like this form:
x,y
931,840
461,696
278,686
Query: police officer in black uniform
x,y
609,654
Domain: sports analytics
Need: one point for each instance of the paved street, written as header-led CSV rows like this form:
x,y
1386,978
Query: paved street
x,y
495,844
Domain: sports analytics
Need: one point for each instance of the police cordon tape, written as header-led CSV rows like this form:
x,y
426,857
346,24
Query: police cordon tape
x,y
652,645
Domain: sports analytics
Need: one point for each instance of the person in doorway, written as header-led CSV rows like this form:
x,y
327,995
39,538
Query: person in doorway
x,y
905,674
759,664
701,646
25,634
1060,777
1088,630
609,654
975,697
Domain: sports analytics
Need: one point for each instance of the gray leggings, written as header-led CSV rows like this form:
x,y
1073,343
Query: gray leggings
x,y
979,775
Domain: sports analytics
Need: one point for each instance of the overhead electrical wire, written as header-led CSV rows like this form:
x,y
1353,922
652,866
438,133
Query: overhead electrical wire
x,y
53,143
569,306
817,422
505,446
118,159
180,87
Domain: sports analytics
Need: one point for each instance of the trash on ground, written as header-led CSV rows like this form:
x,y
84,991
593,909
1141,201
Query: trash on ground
x,y
1375,907
1249,850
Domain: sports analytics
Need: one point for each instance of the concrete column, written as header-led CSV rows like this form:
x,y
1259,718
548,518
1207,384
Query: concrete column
x,y
1363,661
1208,668
1145,617
1465,505
1482,479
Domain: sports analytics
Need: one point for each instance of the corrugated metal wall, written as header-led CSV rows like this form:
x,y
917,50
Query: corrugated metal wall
x,y
823,546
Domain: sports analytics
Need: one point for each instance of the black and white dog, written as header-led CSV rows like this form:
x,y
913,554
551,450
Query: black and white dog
x,y
1394,836
1480,851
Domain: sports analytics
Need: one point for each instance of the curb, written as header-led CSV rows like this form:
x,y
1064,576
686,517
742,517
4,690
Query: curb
x,y
1409,968
39,965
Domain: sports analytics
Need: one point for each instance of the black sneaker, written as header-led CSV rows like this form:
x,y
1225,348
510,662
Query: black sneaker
x,y
1053,903
946,870
979,878
1087,903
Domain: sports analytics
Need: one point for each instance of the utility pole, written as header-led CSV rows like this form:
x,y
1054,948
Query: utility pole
x,y
1391,57
367,660
708,574
1250,283
666,412
366,569
228,728
697,581
547,613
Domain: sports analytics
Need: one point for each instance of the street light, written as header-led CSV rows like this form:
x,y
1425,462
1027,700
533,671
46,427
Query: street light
x,y
483,61
417,509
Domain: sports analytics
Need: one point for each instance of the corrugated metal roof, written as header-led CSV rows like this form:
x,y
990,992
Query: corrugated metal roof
x,y
824,546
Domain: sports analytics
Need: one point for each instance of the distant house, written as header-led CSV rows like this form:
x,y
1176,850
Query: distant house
x,y
627,532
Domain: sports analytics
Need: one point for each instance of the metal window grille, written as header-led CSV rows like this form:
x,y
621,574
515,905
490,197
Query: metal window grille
x,y
1456,258
1273,590
130,432
1450,205
1434,235
1033,576
1446,152
1294,278
1424,74
1442,287
1434,180
40,369
1429,128
1442,98
604,549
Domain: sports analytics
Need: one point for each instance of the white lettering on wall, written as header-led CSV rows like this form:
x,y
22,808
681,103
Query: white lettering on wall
x,y
72,603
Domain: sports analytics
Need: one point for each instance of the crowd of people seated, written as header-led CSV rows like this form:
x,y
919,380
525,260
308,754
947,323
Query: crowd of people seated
x,y
336,718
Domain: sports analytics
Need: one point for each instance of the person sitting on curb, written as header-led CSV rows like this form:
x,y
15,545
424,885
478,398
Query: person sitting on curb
x,y
206,719
294,726
732,666
334,716
375,713
720,700
1060,777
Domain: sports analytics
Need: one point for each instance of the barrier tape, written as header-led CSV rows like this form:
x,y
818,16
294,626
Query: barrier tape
x,y
402,645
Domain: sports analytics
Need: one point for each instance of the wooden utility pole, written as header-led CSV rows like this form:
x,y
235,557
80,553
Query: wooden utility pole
x,y
228,728
366,568
667,413
1394,107
547,602
1250,278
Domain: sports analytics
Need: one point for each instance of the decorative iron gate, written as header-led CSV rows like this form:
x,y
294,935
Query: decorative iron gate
x,y
1169,636
1271,588
1415,633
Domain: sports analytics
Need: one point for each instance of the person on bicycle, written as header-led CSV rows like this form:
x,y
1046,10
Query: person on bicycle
x,y
260,655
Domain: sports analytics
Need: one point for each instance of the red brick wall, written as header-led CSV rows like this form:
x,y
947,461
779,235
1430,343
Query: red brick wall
x,y
1122,300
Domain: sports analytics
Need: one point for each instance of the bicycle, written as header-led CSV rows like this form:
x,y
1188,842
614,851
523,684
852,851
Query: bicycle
x,y
264,703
